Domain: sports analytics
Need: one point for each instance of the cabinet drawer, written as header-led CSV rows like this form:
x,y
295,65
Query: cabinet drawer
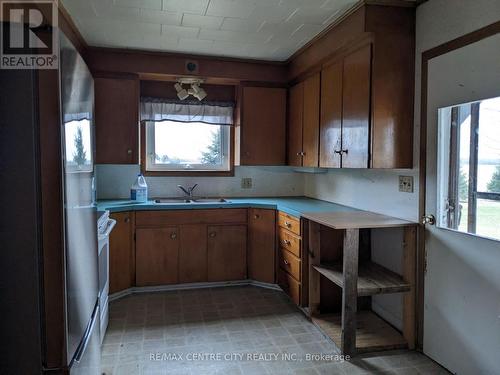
x,y
289,263
289,241
289,285
289,222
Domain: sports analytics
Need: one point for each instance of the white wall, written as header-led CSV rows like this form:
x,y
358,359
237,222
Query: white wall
x,y
114,181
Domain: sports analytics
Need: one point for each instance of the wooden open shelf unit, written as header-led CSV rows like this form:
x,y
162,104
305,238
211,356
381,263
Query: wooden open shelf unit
x,y
341,270
372,278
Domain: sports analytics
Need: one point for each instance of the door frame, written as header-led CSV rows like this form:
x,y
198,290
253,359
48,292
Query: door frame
x,y
427,55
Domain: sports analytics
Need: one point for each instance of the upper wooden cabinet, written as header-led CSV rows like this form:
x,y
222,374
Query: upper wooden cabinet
x,y
117,120
303,122
367,88
262,129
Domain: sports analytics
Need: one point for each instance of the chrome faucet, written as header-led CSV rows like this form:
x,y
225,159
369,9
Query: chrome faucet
x,y
188,191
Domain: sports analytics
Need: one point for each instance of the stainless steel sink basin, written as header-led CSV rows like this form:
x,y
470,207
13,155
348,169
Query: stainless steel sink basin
x,y
209,200
171,200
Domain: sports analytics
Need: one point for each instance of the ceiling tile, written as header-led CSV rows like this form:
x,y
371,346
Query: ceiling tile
x,y
195,20
263,29
241,24
146,4
161,17
180,31
186,6
230,8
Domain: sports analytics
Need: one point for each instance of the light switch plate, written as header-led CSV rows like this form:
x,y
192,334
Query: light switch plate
x,y
246,183
406,184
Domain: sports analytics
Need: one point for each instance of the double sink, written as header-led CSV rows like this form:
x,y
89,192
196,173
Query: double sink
x,y
183,200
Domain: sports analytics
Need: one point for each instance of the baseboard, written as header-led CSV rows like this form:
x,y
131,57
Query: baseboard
x,y
167,288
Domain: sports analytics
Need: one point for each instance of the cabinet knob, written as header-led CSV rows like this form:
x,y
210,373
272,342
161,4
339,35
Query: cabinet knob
x,y
288,224
337,152
212,234
256,216
127,220
286,262
129,151
286,242
345,151
173,236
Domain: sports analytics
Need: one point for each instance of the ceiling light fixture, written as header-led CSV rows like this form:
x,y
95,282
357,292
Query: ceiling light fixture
x,y
195,89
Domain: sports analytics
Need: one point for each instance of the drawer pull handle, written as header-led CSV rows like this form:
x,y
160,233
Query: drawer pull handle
x,y
286,262
173,236
212,234
286,242
288,224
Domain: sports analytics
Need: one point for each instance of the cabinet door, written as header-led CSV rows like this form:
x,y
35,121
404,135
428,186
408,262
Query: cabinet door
x,y
193,253
310,132
261,242
227,252
263,126
356,109
121,253
157,254
117,120
331,116
295,121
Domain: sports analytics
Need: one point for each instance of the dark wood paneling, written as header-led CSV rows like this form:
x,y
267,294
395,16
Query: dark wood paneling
x,y
331,116
261,244
117,120
193,253
356,109
157,255
310,132
172,65
263,126
227,252
121,253
295,120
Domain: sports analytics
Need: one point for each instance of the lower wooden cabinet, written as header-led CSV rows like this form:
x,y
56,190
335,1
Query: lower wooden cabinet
x,y
157,254
261,244
121,253
193,253
227,252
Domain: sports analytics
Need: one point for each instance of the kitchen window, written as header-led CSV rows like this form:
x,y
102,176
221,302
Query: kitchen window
x,y
469,168
186,137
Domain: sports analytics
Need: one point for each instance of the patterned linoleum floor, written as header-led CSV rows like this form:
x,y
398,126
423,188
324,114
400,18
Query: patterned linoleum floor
x,y
231,330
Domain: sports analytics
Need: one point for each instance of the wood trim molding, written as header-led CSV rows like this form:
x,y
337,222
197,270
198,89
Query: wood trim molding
x,y
427,55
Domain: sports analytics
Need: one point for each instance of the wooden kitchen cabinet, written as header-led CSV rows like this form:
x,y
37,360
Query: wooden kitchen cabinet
x,y
157,254
261,244
121,253
262,129
193,253
227,252
117,120
303,122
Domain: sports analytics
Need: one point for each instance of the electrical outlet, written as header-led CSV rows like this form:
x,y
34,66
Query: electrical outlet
x,y
406,184
246,183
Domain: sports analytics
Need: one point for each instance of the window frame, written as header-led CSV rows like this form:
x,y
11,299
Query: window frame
x,y
147,137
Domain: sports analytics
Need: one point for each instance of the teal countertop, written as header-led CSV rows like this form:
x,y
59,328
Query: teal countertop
x,y
295,206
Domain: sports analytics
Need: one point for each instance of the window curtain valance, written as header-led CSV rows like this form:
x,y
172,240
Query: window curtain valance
x,y
215,113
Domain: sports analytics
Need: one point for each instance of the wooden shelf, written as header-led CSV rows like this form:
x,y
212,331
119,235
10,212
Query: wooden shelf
x,y
372,279
372,332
